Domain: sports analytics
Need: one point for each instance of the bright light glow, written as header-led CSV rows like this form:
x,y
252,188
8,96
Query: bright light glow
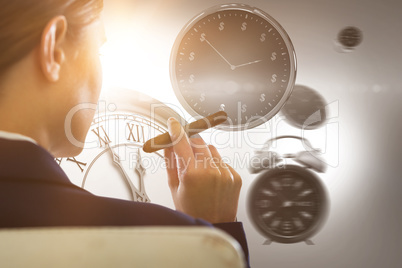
x,y
132,61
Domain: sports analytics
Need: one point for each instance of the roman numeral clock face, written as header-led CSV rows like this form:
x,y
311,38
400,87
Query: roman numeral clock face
x,y
113,163
234,58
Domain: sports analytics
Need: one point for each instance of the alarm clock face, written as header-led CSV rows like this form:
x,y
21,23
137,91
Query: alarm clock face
x,y
234,58
113,163
287,204
305,108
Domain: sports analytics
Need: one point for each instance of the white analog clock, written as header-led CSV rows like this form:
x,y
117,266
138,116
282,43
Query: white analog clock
x,y
113,163
236,58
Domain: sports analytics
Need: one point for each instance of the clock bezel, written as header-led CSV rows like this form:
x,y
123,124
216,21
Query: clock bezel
x,y
253,10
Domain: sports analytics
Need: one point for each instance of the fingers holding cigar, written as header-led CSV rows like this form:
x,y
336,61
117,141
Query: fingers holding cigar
x,y
181,145
164,140
202,185
220,164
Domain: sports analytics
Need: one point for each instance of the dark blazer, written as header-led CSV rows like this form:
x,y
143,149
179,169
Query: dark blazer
x,y
35,192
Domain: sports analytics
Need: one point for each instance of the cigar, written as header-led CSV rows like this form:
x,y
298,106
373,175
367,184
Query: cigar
x,y
163,141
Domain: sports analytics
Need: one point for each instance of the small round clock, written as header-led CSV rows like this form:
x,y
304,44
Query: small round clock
x,y
112,163
350,37
235,58
305,108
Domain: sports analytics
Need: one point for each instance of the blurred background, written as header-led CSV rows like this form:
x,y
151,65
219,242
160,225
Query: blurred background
x,y
360,141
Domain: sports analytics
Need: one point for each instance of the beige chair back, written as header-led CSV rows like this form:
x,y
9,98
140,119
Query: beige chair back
x,y
159,247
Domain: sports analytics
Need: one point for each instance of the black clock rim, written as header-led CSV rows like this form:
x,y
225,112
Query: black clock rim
x,y
306,174
235,6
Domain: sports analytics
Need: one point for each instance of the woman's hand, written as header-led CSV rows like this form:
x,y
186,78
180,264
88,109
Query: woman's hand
x,y
202,185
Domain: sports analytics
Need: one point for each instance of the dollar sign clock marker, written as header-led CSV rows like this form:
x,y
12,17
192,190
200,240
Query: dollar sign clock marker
x,y
263,37
191,58
202,99
273,57
222,26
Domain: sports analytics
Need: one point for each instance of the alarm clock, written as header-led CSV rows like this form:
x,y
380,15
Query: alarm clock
x,y
234,58
112,163
287,203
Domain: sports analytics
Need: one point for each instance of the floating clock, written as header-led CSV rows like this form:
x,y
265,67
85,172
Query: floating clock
x,y
235,58
287,203
305,108
350,37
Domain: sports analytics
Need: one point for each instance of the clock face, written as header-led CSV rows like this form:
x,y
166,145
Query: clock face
x,y
305,108
234,58
350,37
287,204
113,163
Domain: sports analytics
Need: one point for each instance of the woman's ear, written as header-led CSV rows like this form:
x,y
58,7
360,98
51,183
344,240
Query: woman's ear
x,y
51,52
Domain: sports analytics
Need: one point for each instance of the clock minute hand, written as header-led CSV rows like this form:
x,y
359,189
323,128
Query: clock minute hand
x,y
248,63
141,173
116,159
231,66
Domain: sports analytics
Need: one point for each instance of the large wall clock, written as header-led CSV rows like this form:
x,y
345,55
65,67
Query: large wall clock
x,y
235,58
113,163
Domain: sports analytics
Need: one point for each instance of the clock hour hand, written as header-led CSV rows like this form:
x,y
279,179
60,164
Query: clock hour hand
x,y
139,168
248,63
134,191
231,66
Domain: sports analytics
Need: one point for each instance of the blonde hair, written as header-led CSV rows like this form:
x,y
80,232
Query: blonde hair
x,y
22,23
